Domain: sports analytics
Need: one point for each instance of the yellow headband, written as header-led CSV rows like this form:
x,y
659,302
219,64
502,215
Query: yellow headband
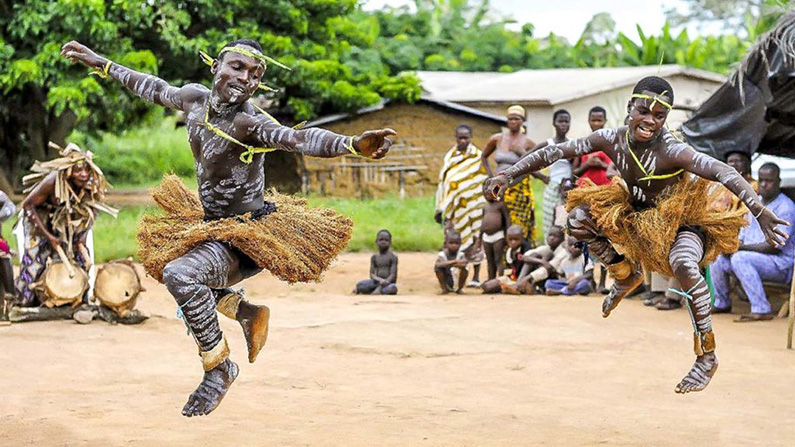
x,y
655,99
516,110
207,59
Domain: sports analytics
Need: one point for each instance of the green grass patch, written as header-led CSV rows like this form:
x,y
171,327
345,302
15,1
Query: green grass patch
x,y
140,156
410,221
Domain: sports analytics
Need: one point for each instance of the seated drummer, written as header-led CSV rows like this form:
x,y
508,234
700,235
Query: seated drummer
x,y
65,195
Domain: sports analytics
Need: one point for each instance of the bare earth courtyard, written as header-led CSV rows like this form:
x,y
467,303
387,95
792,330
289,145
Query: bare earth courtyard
x,y
417,369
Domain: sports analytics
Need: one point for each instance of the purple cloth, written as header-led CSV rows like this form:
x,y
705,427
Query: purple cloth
x,y
583,286
750,267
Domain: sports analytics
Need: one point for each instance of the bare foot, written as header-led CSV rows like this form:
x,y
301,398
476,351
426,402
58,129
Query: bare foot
x,y
699,376
254,321
459,292
553,292
619,290
211,390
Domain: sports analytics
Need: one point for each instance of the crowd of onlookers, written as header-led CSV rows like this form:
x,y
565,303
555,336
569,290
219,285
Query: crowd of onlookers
x,y
502,233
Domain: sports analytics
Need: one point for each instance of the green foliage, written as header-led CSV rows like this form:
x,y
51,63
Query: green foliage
x,y
329,43
141,155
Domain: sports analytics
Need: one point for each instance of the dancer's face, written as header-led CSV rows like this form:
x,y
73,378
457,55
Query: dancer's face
x,y
237,76
646,122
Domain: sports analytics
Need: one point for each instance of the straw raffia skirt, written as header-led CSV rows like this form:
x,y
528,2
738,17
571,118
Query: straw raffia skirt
x,y
296,243
647,236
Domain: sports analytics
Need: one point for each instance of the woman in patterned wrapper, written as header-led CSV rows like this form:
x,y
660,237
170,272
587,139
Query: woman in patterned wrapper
x,y
200,247
658,214
508,147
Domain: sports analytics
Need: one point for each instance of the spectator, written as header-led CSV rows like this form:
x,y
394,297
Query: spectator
x,y
383,269
7,209
451,265
594,166
492,234
756,260
517,246
538,261
573,275
508,147
459,196
559,170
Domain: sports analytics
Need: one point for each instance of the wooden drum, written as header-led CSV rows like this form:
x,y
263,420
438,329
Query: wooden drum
x,y
57,287
117,286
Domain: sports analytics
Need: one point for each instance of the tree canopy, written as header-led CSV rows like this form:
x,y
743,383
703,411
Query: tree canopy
x,y
342,57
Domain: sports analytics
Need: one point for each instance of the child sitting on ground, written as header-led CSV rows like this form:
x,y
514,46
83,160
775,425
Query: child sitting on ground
x,y
492,234
517,246
383,269
538,260
573,275
451,265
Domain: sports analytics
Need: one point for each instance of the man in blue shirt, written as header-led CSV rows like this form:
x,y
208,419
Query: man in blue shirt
x,y
756,260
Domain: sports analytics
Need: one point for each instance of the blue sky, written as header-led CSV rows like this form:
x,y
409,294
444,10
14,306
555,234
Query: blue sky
x,y
568,17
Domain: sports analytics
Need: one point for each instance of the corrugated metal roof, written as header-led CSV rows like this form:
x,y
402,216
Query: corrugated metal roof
x,y
436,102
550,86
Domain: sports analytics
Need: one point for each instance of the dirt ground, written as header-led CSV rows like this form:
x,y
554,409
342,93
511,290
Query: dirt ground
x,y
417,369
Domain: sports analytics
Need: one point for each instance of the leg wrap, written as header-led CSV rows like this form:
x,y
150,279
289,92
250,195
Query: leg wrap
x,y
215,356
620,270
228,304
703,342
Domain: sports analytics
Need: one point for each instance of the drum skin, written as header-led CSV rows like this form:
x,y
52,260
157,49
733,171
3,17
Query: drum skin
x,y
56,288
117,286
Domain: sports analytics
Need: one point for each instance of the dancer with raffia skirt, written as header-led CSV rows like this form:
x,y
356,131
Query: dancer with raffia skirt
x,y
658,215
201,246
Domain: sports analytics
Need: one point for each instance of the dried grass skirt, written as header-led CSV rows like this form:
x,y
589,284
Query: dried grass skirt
x,y
647,236
296,243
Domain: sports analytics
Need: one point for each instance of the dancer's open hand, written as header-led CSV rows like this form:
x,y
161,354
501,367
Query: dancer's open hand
x,y
77,52
769,223
374,143
494,187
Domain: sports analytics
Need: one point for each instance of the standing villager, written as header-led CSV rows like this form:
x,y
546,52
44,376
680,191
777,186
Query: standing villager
x,y
508,147
558,171
201,246
658,215
7,209
64,197
459,196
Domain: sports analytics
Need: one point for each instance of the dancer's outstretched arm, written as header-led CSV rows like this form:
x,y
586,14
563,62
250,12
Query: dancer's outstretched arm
x,y
542,158
148,87
318,142
715,170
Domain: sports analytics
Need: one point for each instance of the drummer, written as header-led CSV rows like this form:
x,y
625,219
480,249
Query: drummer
x,y
64,196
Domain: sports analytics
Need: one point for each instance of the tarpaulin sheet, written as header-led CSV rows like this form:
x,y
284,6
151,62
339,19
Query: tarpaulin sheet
x,y
755,110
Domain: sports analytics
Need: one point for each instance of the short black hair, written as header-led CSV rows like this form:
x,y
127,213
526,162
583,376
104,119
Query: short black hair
x,y
555,228
384,231
248,42
464,126
745,155
597,109
451,234
655,84
772,167
559,112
